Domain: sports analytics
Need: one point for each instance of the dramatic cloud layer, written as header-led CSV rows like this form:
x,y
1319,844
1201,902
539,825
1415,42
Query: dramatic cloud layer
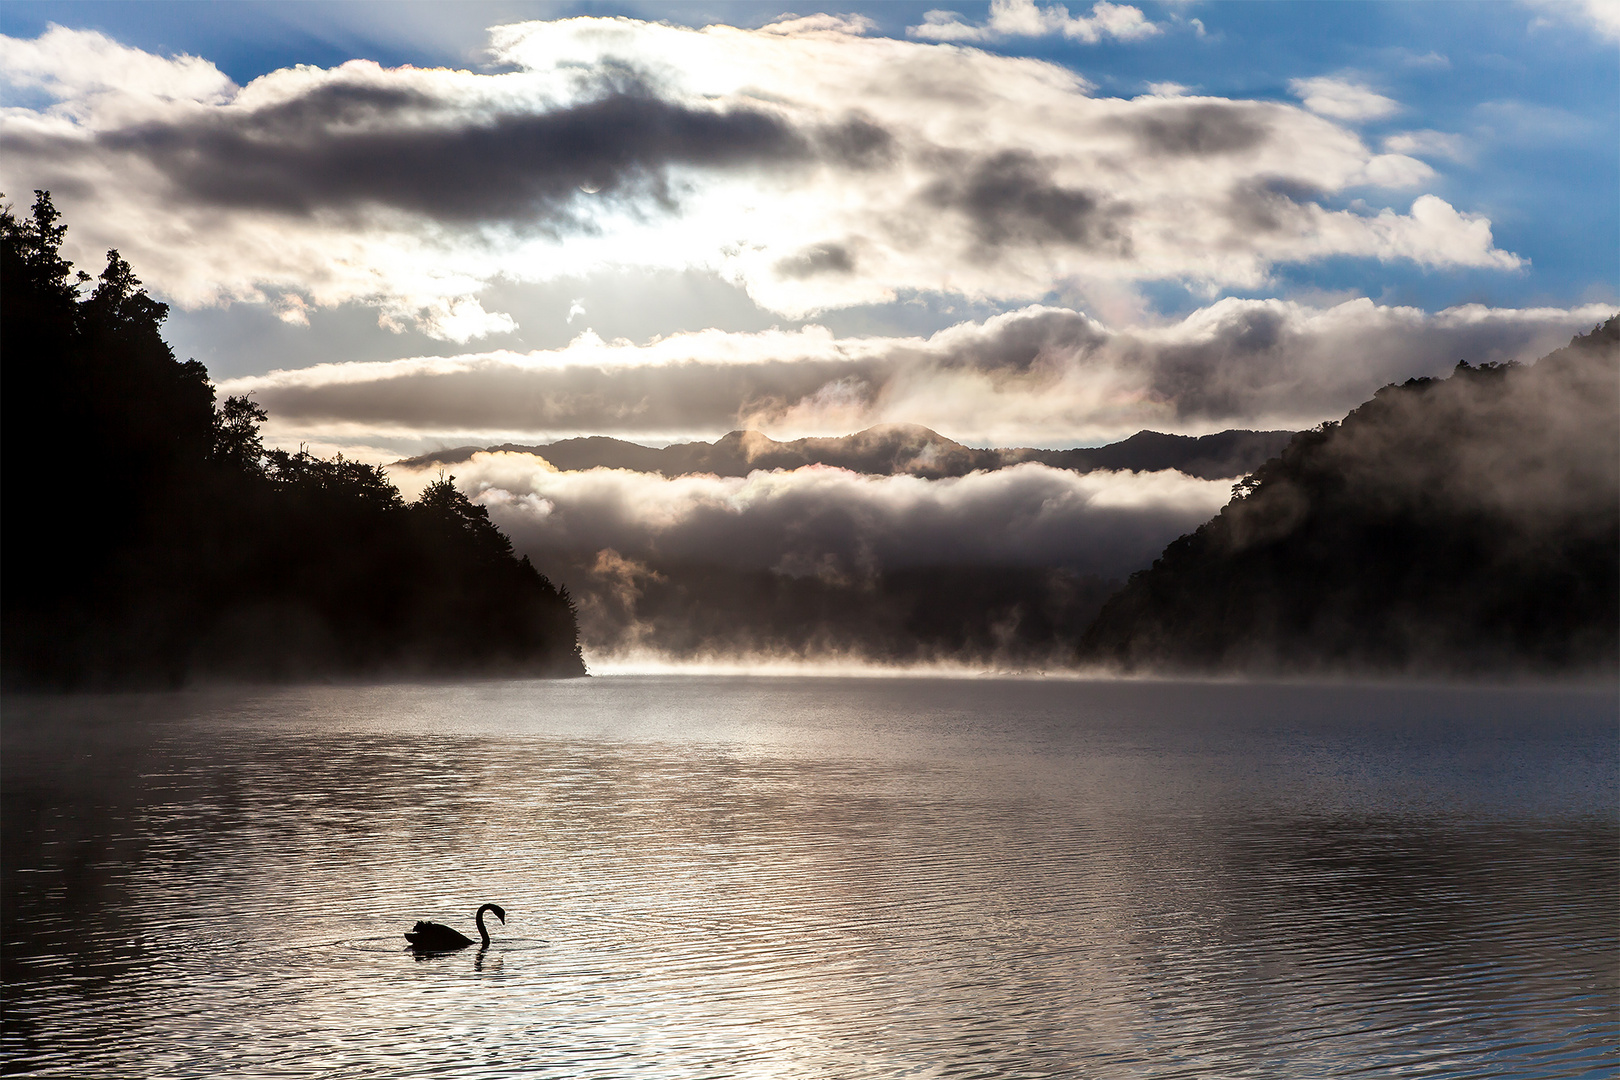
x,y
1039,376
825,521
819,560
817,167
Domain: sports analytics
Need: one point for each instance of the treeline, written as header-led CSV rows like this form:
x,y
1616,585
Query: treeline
x,y
1002,617
151,539
1467,525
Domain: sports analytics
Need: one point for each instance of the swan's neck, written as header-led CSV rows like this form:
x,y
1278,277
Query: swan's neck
x,y
483,932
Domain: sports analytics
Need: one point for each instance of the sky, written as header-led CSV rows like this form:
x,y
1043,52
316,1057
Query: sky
x,y
408,226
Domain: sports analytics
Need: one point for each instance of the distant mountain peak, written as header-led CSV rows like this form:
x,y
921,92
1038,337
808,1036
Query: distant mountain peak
x,y
894,449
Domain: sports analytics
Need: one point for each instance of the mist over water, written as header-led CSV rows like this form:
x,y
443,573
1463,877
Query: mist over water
x,y
815,877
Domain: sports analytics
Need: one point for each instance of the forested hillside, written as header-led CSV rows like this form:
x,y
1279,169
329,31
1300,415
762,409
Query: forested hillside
x,y
150,539
1461,525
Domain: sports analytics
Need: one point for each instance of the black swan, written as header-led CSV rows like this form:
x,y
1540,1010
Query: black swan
x,y
436,937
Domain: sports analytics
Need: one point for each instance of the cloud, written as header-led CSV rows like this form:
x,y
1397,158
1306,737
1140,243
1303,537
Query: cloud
x,y
1012,199
815,166
349,146
1599,16
1603,16
1008,565
1342,99
1204,129
823,520
82,64
1022,18
1038,376
1398,171
1428,144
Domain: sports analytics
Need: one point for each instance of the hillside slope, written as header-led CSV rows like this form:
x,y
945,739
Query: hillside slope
x,y
1461,525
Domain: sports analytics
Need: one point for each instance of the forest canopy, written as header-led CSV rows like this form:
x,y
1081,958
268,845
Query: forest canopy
x,y
1467,525
160,541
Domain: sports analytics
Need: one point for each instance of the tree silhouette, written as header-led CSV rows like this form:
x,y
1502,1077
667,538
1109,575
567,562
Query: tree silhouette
x,y
237,444
153,538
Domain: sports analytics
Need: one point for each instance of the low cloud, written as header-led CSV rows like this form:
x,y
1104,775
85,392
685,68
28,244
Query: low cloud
x,y
1040,376
820,520
1002,567
813,165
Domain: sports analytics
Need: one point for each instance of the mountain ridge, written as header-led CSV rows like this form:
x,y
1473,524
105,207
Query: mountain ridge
x,y
888,450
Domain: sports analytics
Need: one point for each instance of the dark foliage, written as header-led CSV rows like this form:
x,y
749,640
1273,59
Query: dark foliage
x,y
998,616
1460,525
1209,457
159,541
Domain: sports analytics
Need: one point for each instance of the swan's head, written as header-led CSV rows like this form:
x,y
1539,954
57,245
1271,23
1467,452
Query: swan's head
x,y
500,913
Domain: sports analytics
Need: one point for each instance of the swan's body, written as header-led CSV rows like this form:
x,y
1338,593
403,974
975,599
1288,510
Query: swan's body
x,y
436,937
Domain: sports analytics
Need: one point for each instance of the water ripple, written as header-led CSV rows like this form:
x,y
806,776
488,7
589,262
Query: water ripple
x,y
777,878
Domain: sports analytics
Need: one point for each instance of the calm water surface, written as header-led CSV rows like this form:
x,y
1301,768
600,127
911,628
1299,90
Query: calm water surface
x,y
815,878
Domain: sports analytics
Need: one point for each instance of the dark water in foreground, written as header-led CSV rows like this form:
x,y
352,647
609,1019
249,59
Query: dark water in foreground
x,y
815,878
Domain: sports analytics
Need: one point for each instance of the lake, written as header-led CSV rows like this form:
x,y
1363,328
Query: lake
x,y
815,877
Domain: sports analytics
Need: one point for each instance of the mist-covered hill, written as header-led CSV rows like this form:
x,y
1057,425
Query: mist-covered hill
x,y
1001,567
892,450
1466,525
161,542
1002,563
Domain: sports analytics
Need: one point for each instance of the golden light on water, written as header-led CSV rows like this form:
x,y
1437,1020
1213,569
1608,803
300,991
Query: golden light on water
x,y
808,877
